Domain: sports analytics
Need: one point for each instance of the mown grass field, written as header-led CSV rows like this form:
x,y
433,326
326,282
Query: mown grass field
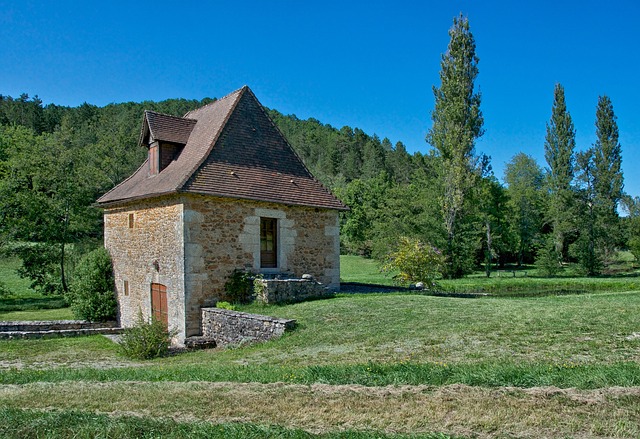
x,y
364,365
23,303
9,277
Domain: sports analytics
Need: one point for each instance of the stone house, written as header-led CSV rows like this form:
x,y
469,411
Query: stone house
x,y
221,189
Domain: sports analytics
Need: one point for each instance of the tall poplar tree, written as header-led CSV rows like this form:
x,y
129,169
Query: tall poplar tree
x,y
607,175
457,123
559,147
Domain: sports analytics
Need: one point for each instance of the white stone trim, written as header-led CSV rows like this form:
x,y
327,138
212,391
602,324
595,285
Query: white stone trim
x,y
269,213
250,238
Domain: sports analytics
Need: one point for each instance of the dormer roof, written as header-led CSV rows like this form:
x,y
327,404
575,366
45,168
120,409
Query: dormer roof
x,y
163,127
232,149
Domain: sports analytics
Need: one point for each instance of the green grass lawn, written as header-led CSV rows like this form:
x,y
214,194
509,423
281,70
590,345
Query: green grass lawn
x,y
362,270
400,363
25,304
38,314
364,365
392,329
78,424
525,283
9,277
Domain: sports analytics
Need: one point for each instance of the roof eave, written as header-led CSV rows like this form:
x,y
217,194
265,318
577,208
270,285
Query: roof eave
x,y
266,200
112,203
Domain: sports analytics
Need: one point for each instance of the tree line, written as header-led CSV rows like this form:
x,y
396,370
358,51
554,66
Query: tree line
x,y
566,211
55,161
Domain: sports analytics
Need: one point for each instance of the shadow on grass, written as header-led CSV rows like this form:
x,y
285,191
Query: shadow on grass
x,y
470,292
31,303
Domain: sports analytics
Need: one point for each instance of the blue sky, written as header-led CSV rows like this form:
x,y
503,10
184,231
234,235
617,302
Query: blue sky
x,y
366,64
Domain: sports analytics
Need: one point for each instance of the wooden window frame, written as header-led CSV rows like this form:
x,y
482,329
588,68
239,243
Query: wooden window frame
x,y
269,258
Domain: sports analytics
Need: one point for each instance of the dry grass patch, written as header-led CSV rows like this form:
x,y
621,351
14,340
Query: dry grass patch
x,y
69,352
456,409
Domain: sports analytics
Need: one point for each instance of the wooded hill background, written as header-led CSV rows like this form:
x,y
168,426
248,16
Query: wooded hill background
x,y
55,161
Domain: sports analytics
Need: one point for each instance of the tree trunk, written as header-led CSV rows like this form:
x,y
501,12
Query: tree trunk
x,y
63,277
489,257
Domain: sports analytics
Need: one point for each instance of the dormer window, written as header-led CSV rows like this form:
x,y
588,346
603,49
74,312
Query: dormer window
x,y
168,153
165,136
161,154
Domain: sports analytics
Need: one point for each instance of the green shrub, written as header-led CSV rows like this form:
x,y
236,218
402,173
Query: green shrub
x,y
4,291
259,288
415,261
548,259
590,259
226,305
146,339
92,294
239,287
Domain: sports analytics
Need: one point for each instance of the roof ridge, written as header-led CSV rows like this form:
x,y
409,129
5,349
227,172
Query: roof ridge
x,y
170,115
240,92
235,131
217,100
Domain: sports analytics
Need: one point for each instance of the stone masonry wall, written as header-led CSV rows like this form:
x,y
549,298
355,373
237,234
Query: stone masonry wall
x,y
290,290
192,243
233,327
152,251
224,234
54,328
53,325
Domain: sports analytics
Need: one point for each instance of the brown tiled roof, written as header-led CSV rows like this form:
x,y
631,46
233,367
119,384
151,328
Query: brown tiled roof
x,y
167,128
233,150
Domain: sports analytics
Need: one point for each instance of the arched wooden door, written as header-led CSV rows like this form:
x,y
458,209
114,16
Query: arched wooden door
x,y
159,303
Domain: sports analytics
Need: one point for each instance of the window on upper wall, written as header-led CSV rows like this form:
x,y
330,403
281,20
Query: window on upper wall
x,y
125,287
268,243
131,221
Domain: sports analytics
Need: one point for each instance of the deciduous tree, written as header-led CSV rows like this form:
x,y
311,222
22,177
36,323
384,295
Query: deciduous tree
x,y
525,180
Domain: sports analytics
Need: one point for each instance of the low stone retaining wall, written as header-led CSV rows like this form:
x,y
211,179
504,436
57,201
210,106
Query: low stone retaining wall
x,y
51,325
227,327
55,328
289,290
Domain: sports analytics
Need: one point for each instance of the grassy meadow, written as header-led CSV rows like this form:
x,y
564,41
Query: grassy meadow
x,y
558,359
23,303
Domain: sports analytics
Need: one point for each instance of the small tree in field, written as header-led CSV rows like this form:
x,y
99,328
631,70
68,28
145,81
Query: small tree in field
x,y
415,261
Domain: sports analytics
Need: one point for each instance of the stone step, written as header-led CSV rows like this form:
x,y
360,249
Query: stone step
x,y
199,342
